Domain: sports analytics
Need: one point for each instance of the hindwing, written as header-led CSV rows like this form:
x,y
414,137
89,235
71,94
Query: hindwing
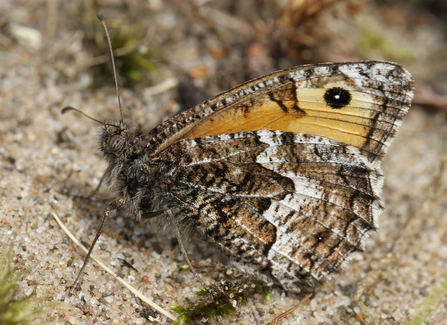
x,y
292,205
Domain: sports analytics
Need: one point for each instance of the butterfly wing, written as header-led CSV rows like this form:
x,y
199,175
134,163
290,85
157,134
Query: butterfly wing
x,y
360,104
283,173
291,205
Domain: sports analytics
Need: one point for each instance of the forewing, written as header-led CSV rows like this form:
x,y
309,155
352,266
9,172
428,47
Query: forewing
x,y
360,104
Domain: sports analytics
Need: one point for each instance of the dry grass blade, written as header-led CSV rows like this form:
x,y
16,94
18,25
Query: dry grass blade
x,y
124,283
289,311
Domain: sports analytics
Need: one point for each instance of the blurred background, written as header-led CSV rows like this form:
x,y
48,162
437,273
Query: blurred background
x,y
170,56
215,45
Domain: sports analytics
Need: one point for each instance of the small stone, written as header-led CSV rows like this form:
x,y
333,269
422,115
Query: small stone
x,y
351,288
27,37
102,300
345,302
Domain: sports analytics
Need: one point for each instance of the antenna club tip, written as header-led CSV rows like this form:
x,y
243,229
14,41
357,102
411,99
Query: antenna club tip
x,y
66,109
100,16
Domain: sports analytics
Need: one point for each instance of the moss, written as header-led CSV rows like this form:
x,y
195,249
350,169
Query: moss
x,y
371,42
15,310
134,57
227,295
430,303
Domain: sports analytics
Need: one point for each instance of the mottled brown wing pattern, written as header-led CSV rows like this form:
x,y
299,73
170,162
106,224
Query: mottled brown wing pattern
x,y
291,205
282,173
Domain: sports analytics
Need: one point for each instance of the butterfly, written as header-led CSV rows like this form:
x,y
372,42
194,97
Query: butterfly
x,y
281,174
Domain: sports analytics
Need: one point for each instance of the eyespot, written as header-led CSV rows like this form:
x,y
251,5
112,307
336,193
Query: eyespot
x,y
116,142
337,97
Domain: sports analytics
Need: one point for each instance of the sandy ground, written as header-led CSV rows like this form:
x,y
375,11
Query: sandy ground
x,y
48,158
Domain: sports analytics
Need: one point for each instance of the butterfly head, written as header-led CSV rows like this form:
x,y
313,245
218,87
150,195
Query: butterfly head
x,y
113,138
118,142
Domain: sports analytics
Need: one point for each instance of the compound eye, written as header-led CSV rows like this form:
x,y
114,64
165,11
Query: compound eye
x,y
116,142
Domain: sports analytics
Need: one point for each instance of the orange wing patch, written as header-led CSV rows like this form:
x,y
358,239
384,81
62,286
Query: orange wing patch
x,y
352,120
259,113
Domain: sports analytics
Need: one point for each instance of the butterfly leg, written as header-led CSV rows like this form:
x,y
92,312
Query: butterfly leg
x,y
115,205
153,214
96,190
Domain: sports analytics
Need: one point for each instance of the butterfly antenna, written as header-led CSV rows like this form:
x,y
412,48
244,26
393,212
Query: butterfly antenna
x,y
101,18
69,108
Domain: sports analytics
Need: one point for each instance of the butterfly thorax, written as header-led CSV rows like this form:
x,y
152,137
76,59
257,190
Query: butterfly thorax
x,y
130,173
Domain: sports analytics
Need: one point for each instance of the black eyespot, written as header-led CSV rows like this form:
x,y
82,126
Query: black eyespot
x,y
337,97
116,142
